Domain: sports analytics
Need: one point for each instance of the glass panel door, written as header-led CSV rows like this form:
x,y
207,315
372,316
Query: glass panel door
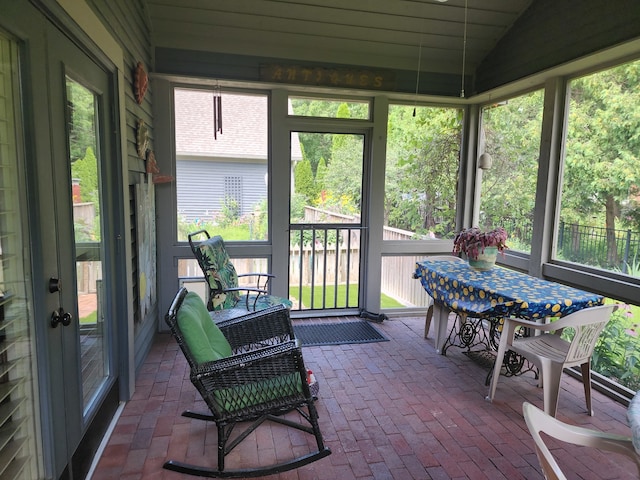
x,y
85,194
326,230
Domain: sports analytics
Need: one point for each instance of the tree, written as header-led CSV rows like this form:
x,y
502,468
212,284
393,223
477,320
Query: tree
x,y
602,149
304,183
422,169
512,137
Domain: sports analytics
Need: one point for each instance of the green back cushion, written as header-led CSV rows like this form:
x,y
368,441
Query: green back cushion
x,y
219,271
201,335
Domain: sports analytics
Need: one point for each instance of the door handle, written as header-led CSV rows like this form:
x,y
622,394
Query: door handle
x,y
60,316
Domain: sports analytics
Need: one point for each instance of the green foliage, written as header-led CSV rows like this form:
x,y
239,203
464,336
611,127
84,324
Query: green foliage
x,y
82,123
512,138
304,181
252,226
422,169
617,353
85,170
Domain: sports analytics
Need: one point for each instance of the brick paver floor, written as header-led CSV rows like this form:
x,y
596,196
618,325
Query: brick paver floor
x,y
388,410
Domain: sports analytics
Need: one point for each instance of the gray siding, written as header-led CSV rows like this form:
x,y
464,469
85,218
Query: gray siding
x,y
200,186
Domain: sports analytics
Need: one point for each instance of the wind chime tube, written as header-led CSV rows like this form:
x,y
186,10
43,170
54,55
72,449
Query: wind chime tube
x,y
217,112
215,116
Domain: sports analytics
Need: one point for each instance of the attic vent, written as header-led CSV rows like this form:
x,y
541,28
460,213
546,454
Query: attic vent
x,y
233,195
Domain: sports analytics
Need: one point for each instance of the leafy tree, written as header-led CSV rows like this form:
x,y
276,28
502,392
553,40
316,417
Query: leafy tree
x,y
304,182
85,170
82,124
422,169
602,149
343,177
512,138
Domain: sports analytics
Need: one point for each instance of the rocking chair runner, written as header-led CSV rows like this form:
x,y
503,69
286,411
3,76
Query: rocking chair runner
x,y
248,369
222,278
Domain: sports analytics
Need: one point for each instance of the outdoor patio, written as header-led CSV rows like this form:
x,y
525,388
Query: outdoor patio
x,y
388,410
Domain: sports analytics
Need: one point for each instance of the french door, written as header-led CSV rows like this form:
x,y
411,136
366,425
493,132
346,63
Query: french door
x,y
77,222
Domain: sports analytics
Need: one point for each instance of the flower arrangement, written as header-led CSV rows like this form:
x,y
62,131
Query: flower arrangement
x,y
472,241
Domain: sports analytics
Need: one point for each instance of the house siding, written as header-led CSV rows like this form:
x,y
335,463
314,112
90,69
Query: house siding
x,y
200,187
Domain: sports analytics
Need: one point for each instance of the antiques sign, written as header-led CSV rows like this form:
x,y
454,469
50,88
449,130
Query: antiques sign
x,y
327,77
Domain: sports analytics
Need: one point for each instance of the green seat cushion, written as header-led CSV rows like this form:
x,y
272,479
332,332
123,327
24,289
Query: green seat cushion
x,y
266,301
205,340
237,398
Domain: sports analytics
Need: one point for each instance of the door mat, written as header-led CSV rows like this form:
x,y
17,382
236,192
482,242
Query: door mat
x,y
338,333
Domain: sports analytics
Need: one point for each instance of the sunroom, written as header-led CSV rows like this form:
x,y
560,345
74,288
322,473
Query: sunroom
x,y
333,146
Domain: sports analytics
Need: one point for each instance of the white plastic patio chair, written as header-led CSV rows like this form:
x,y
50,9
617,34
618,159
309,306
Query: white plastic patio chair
x,y
429,316
551,354
537,421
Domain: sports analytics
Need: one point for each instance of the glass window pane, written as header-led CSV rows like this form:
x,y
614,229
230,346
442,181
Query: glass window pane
x,y
423,154
314,107
222,147
511,135
599,222
85,186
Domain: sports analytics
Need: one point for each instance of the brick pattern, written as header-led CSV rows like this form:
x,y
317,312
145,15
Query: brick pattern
x,y
389,410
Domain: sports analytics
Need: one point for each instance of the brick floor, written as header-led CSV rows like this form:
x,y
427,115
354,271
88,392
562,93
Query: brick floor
x,y
388,410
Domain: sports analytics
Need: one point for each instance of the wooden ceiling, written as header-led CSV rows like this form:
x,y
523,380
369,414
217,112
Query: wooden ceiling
x,y
367,33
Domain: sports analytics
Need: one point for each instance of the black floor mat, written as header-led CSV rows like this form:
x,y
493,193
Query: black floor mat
x,y
338,333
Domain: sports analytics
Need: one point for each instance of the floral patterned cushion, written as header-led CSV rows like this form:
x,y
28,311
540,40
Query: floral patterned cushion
x,y
219,273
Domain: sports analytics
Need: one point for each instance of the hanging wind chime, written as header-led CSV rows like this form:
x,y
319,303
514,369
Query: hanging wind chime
x,y
217,112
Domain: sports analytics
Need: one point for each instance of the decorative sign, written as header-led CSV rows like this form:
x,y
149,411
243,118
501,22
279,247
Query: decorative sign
x,y
328,77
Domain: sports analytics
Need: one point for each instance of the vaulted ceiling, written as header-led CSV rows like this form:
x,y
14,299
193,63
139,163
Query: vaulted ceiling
x,y
373,33
442,38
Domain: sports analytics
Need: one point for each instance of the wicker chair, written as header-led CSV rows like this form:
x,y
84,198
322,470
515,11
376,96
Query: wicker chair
x,y
222,278
248,370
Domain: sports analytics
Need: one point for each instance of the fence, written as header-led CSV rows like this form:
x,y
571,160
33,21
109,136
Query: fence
x,y
611,249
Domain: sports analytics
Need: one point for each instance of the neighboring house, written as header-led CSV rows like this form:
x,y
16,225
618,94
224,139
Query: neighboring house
x,y
217,167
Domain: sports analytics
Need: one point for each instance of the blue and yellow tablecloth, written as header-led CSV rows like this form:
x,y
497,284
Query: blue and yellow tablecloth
x,y
499,292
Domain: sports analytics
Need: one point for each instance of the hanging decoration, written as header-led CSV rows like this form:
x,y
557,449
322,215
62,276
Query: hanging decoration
x,y
152,168
217,112
141,83
417,76
464,49
142,139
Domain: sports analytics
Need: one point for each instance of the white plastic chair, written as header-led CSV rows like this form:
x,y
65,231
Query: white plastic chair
x,y
551,354
537,421
429,316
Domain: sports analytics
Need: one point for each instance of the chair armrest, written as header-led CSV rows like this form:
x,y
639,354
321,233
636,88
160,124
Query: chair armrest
x,y
251,360
259,282
257,329
517,322
258,291
256,274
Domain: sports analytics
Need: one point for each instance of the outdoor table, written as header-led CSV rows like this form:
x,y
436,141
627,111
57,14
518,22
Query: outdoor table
x,y
494,294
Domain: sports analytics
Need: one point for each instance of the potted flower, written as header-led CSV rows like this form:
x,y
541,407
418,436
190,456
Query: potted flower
x,y
480,247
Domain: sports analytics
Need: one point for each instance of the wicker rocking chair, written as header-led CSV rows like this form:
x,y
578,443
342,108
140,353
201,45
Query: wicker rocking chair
x,y
247,370
222,278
